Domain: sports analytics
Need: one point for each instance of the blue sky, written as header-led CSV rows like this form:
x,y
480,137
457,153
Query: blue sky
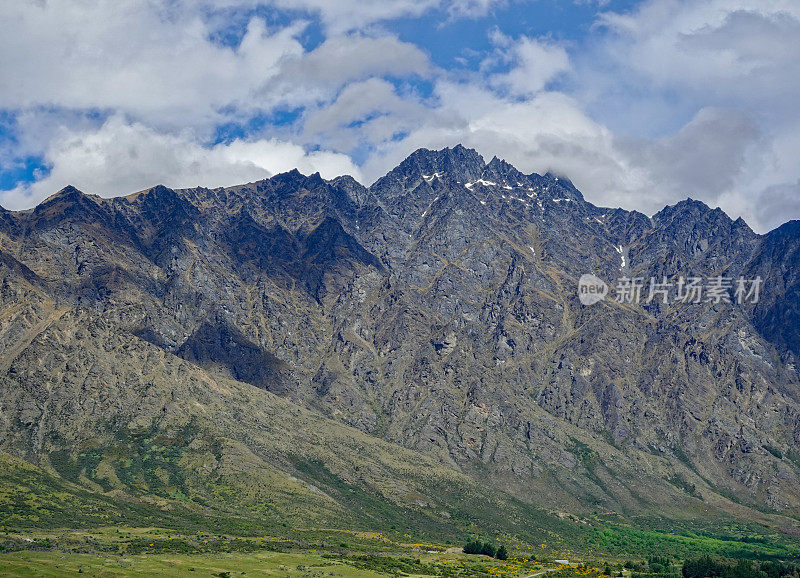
x,y
639,103
448,40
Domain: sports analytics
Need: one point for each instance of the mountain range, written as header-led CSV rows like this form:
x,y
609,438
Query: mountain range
x,y
405,353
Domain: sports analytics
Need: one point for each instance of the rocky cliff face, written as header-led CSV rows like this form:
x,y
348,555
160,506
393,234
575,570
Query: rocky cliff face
x,y
437,310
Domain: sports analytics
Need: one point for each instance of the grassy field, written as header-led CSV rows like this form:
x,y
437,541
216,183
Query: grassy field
x,y
235,564
126,551
263,563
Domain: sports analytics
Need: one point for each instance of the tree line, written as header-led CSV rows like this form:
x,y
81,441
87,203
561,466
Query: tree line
x,y
487,549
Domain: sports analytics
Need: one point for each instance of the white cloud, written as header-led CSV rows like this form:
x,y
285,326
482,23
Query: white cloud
x,y
721,53
122,157
368,112
534,63
472,8
132,57
316,77
156,61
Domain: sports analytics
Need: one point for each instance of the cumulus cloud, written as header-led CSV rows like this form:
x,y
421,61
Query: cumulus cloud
x,y
368,112
317,76
472,8
132,57
739,50
533,63
162,66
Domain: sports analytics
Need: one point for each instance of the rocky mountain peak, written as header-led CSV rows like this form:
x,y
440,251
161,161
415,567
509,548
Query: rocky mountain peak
x,y
695,218
688,207
69,205
502,171
790,229
458,164
68,194
294,180
68,190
